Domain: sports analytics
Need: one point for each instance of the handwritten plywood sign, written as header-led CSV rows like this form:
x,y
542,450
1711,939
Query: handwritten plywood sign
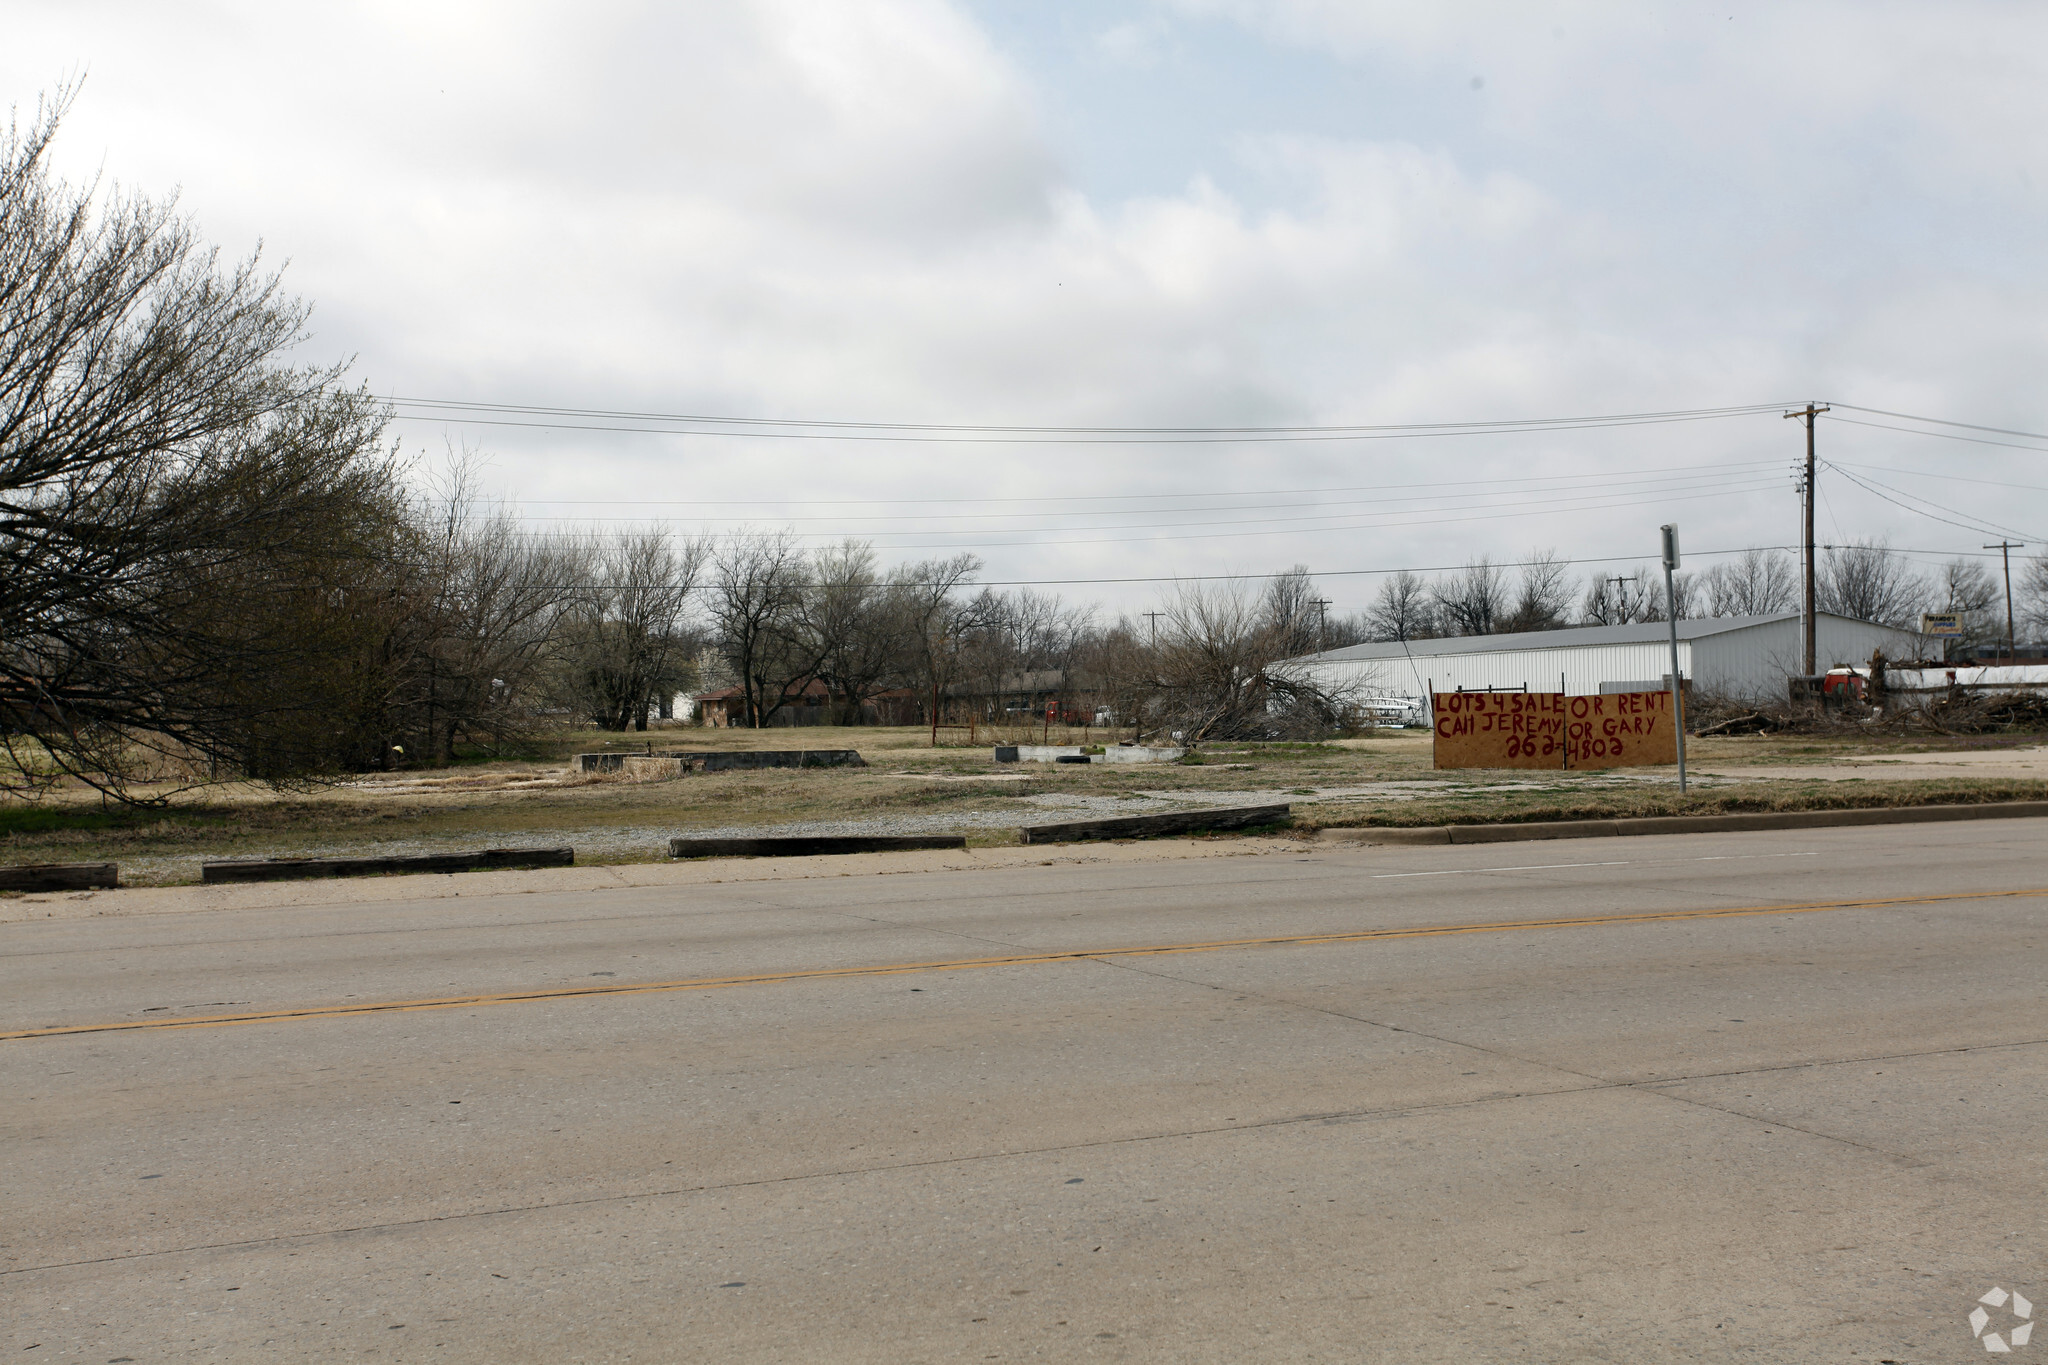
x,y
1621,730
1551,730
1499,729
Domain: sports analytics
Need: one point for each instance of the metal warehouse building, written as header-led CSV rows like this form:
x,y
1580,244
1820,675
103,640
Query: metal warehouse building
x,y
1739,656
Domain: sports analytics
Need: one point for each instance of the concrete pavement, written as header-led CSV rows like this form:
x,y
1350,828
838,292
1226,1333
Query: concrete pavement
x,y
1771,1136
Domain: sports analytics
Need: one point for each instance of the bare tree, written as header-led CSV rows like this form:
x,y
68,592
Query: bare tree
x,y
1968,588
1294,610
759,592
2030,595
1403,609
857,626
1869,581
1687,591
628,644
1623,599
490,612
1341,632
179,508
1754,583
1021,643
1221,670
1543,594
1474,600
937,626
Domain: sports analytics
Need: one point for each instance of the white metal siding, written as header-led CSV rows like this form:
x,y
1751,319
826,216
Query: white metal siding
x,y
1581,670
1751,662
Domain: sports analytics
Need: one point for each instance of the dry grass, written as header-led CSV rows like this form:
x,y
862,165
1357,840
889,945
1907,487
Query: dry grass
x,y
1563,803
537,800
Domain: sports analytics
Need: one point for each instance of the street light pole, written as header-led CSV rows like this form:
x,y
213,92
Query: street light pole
x,y
1671,616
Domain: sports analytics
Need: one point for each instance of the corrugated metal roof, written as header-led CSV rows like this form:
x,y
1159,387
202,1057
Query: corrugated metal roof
x,y
1576,637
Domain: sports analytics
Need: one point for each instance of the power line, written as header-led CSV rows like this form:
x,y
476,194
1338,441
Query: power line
x,y
1668,471
1944,476
1354,522
1331,573
1943,421
1940,435
1419,433
782,425
1873,488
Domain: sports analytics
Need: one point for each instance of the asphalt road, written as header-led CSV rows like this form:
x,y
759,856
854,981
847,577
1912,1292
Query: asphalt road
x,y
1776,1097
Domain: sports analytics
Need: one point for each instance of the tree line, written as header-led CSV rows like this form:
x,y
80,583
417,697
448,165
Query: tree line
x,y
1867,580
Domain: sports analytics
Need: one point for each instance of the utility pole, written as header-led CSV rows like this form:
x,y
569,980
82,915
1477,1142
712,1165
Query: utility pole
x,y
2005,549
1154,615
1322,606
1621,582
1809,621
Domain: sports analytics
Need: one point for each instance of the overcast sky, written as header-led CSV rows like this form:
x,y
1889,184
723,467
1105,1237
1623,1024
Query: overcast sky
x,y
1186,213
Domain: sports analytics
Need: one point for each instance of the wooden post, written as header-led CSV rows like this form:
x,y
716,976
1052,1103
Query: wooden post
x,y
935,713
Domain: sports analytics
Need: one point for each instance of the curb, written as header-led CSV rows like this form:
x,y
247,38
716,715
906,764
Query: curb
x,y
302,869
1682,824
812,845
1149,826
60,877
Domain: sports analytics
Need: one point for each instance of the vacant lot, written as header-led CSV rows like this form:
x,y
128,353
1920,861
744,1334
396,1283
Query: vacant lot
x,y
909,787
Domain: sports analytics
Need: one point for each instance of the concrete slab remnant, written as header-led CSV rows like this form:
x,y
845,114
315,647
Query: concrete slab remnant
x,y
710,761
1075,753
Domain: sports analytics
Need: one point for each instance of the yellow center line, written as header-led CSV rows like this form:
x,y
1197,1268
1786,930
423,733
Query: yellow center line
x,y
708,983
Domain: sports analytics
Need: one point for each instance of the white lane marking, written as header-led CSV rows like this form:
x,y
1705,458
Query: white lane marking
x,y
1626,862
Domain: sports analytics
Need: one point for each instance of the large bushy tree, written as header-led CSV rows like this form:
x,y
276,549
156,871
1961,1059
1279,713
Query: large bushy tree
x,y
193,530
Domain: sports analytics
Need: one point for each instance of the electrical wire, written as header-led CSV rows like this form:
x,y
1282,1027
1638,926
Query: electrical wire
x,y
1078,440
1670,471
1359,522
1261,577
1941,421
1872,487
1684,489
777,425
1944,477
1941,435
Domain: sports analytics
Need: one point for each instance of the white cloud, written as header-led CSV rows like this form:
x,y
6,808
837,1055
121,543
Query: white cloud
x,y
854,208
